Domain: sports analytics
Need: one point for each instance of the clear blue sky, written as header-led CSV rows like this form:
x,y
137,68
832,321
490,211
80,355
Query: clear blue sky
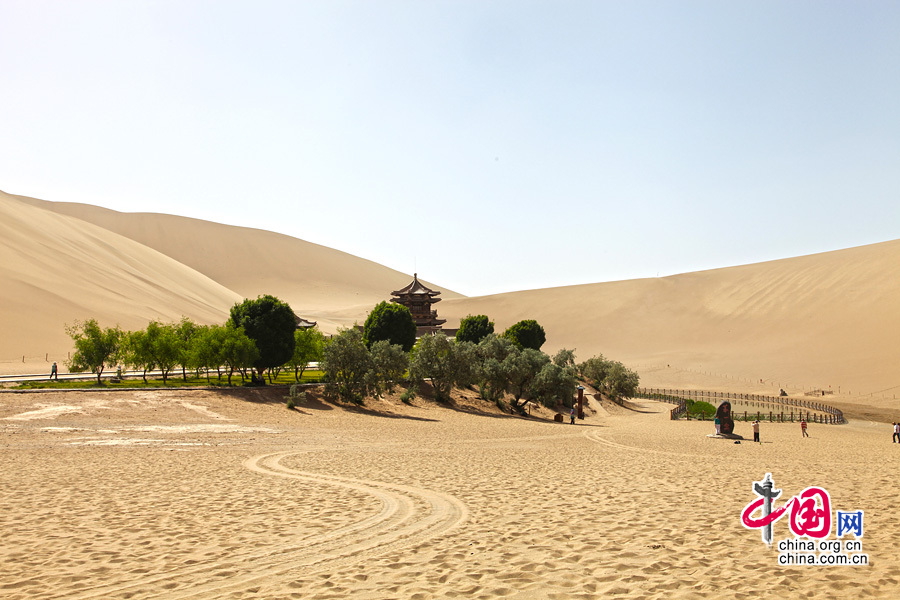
x,y
492,146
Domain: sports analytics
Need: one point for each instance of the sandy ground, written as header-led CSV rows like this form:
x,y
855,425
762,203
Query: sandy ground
x,y
197,494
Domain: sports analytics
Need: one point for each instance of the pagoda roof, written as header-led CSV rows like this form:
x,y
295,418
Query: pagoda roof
x,y
415,288
303,323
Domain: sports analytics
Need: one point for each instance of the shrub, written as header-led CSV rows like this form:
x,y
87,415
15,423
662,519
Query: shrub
x,y
296,397
701,409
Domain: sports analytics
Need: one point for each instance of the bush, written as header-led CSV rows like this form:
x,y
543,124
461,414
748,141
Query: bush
x,y
701,409
296,397
408,396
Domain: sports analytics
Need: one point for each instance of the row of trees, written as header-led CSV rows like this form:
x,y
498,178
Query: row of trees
x,y
368,363
394,323
260,334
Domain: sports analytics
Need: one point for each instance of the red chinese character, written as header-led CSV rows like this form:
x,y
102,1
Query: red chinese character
x,y
751,523
807,518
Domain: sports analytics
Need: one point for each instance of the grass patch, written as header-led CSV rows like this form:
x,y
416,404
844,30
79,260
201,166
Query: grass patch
x,y
174,381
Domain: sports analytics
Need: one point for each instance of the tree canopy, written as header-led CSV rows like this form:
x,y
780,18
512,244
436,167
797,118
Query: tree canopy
x,y
610,377
445,362
346,366
526,334
270,323
95,347
474,328
391,322
309,345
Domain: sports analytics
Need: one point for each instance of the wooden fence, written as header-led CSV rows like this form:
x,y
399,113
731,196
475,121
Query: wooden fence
x,y
815,412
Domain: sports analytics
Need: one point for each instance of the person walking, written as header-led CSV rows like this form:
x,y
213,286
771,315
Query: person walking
x,y
718,426
803,427
756,431
896,437
572,415
54,374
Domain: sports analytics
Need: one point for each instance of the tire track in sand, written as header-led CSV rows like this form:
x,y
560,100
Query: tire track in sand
x,y
401,523
596,437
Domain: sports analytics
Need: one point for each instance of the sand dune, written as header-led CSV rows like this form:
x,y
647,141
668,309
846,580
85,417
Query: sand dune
x,y
55,269
313,279
816,321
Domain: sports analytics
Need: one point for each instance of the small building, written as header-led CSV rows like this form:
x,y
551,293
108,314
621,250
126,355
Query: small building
x,y
418,299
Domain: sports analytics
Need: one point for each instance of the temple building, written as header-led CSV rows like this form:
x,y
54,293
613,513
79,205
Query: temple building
x,y
418,299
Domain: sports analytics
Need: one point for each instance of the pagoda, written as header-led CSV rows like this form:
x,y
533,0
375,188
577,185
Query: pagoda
x,y
418,299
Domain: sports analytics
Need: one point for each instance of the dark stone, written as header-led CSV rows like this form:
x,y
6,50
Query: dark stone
x,y
724,415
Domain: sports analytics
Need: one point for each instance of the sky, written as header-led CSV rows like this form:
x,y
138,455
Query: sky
x,y
491,146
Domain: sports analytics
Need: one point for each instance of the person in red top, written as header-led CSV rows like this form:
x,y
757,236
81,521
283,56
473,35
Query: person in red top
x,y
803,427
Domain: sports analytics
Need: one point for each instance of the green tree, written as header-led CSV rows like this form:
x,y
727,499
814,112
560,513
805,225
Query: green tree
x,y
309,346
203,350
270,323
594,370
526,334
185,330
565,359
95,347
521,368
389,366
237,351
610,377
489,372
437,358
621,382
392,322
137,352
165,347
553,385
346,366
474,328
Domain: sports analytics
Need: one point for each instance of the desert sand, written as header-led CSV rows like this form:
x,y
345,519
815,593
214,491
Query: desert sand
x,y
195,494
